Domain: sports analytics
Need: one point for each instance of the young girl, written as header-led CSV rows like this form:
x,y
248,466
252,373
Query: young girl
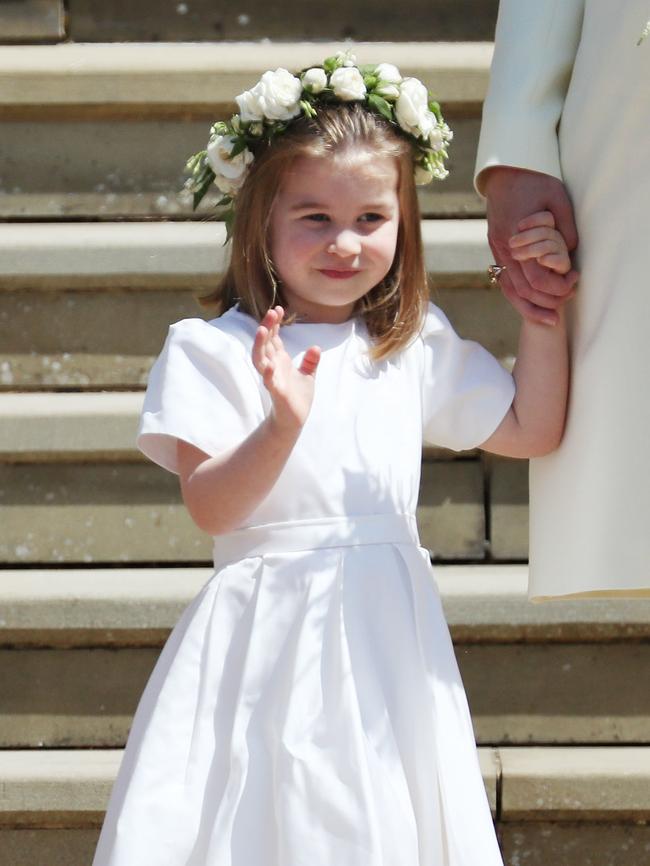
x,y
307,709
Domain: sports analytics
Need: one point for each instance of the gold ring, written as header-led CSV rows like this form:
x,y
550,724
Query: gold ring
x,y
494,272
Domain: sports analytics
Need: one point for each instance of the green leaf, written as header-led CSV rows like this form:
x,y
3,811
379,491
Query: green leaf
x,y
239,147
201,184
198,195
229,221
380,105
308,108
332,63
193,164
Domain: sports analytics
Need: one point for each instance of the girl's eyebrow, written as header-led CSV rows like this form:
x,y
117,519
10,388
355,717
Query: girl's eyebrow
x,y
308,205
316,205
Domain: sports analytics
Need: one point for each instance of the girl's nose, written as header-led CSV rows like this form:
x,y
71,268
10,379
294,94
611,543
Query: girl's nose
x,y
345,243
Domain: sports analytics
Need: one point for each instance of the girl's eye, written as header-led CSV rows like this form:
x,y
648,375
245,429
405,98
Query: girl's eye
x,y
372,217
317,217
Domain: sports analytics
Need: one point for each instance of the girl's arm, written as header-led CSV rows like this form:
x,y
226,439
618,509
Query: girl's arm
x,y
534,424
221,491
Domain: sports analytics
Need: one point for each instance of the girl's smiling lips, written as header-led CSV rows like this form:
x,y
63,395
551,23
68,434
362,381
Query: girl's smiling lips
x,y
338,274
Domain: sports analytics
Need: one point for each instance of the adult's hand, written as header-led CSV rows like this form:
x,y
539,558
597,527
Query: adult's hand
x,y
512,194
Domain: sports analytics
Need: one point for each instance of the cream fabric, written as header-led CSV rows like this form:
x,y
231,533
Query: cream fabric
x,y
577,62
307,709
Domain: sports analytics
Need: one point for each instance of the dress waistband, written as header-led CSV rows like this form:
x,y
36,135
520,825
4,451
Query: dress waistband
x,y
295,535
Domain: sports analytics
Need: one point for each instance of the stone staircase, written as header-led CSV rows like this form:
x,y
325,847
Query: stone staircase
x,y
99,252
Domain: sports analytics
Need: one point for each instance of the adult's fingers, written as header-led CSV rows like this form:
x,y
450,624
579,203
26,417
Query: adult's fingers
x,y
539,299
513,283
541,279
527,276
527,310
516,278
539,218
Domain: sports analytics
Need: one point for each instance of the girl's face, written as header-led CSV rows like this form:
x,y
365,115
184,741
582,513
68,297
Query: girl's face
x,y
333,232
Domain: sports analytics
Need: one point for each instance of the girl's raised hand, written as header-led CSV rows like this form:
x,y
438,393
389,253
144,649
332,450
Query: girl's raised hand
x,y
291,388
539,239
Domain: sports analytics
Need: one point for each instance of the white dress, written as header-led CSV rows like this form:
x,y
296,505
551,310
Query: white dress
x,y
307,709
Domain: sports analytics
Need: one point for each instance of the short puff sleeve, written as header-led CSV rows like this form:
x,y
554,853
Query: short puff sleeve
x,y
465,390
201,389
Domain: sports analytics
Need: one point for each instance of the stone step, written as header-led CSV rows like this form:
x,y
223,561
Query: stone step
x,y
139,110
88,306
566,672
201,20
563,805
118,78
75,490
101,512
119,607
32,21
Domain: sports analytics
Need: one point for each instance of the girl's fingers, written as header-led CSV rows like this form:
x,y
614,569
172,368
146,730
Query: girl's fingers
x,y
260,356
540,218
275,315
275,318
260,336
536,250
558,262
310,360
531,236
263,336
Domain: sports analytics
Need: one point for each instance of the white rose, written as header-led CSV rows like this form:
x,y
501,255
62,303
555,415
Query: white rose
x,y
436,139
447,134
230,173
422,175
250,107
314,80
276,96
411,108
347,83
347,58
391,77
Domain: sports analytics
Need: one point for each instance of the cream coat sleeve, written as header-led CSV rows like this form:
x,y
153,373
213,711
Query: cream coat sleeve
x,y
535,46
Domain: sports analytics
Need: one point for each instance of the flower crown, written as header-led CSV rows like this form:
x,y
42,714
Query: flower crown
x,y
267,110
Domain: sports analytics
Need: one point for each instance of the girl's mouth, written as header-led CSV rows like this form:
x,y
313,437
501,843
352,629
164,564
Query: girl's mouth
x,y
338,274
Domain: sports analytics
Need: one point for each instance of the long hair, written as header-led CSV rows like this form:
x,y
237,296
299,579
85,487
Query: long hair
x,y
394,309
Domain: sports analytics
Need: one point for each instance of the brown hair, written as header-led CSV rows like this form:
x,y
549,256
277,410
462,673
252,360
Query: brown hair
x,y
394,309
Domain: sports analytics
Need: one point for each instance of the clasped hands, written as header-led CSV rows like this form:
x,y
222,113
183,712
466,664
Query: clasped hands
x,y
531,230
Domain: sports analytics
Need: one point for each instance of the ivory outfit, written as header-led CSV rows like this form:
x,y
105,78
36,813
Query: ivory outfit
x,y
307,709
577,63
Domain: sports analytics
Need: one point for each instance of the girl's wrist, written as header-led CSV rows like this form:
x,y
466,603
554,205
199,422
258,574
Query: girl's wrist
x,y
283,430
535,326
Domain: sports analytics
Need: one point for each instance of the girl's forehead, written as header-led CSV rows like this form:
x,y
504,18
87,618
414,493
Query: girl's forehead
x,y
355,170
